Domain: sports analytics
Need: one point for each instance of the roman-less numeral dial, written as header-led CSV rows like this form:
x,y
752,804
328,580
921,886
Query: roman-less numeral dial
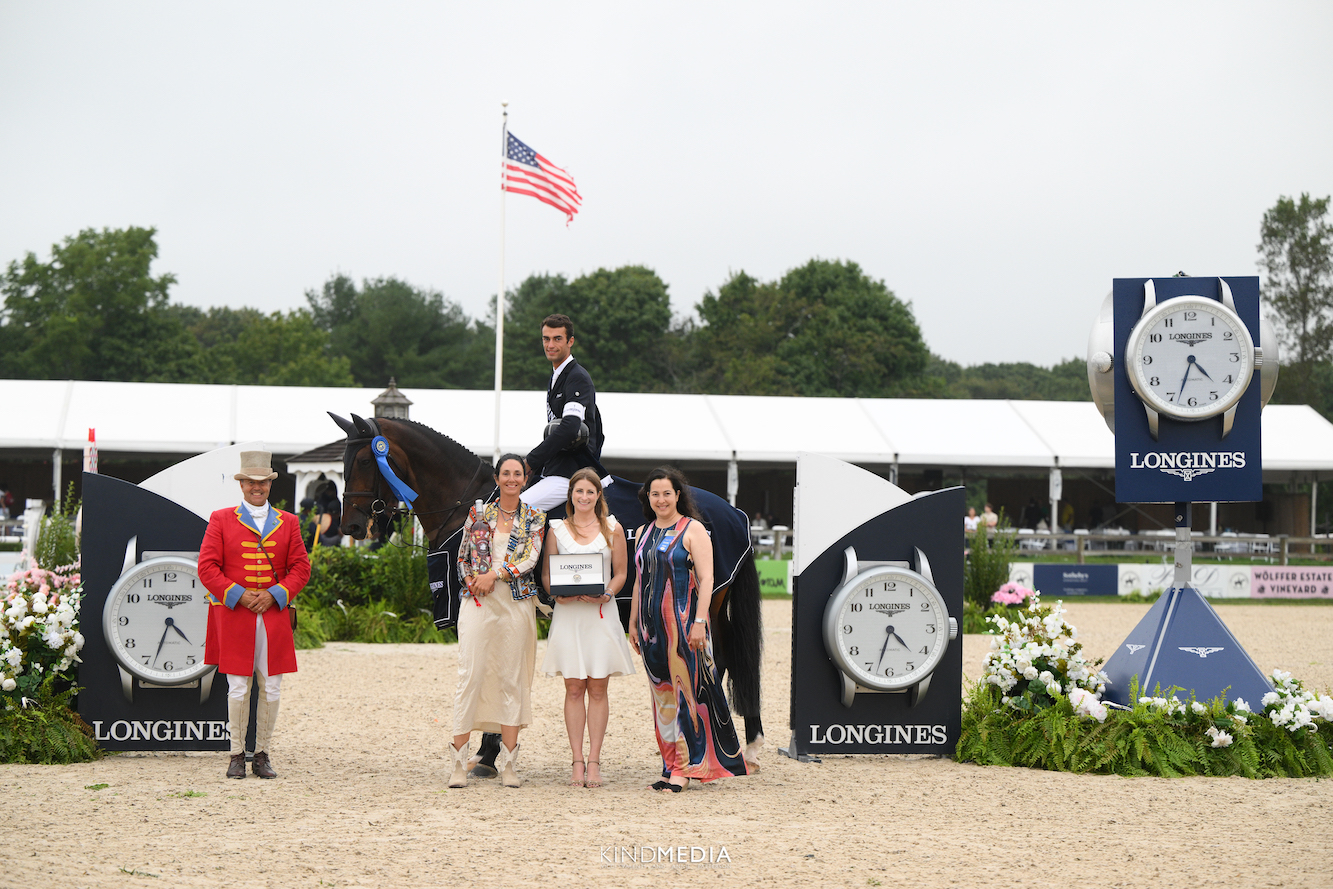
x,y
1190,358
889,630
155,620
886,627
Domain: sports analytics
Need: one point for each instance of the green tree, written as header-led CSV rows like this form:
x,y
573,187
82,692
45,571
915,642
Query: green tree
x,y
824,329
621,322
246,347
94,312
388,328
1296,252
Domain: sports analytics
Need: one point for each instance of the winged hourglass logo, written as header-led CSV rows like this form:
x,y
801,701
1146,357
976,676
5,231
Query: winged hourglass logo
x,y
1200,650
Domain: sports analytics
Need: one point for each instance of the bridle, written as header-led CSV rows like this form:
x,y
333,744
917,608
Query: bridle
x,y
379,508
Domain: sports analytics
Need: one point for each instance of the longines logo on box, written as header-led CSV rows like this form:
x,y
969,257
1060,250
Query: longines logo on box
x,y
1187,464
162,730
878,734
171,600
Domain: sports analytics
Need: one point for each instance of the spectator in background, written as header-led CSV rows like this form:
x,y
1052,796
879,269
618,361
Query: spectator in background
x,y
330,516
971,521
309,523
6,501
989,518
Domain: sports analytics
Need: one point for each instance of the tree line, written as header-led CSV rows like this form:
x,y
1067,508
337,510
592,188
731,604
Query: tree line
x,y
95,311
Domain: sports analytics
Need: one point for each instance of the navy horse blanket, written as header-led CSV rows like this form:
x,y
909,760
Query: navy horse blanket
x,y
727,526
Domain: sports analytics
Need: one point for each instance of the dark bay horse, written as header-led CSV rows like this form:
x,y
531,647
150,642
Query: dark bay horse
x,y
448,478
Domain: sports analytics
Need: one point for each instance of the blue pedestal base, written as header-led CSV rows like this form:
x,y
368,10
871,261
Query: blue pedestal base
x,y
1182,642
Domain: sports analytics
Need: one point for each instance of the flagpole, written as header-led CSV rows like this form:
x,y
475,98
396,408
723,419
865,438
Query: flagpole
x,y
500,295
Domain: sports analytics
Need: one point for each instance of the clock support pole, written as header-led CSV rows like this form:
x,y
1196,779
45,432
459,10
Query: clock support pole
x,y
1184,513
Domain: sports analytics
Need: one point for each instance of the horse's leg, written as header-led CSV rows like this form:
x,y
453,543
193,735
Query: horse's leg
x,y
486,754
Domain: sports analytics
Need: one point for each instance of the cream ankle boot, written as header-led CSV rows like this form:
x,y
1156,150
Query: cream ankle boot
x,y
508,777
459,777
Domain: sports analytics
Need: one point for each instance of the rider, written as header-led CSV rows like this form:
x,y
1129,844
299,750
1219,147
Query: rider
x,y
571,400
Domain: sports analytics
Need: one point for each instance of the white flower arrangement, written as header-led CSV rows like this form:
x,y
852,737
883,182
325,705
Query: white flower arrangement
x,y
1037,658
39,627
1292,707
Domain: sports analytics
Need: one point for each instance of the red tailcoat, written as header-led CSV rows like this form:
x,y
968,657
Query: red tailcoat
x,y
231,560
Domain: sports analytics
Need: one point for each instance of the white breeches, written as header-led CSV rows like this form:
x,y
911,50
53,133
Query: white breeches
x,y
239,686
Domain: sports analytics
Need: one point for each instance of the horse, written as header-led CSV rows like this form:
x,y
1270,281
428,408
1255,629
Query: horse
x,y
445,479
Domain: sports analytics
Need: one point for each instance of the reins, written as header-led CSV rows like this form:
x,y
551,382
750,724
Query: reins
x,y
379,508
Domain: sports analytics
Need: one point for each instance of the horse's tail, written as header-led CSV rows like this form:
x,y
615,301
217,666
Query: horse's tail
x,y
743,642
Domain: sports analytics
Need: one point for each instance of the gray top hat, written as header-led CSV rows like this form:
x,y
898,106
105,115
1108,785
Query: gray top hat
x,y
256,466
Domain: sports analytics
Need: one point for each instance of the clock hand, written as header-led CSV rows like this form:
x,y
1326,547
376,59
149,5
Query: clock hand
x,y
1189,362
1201,370
163,641
171,623
887,634
900,640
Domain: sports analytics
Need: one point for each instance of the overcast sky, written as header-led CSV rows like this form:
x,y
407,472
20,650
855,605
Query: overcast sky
x,y
996,165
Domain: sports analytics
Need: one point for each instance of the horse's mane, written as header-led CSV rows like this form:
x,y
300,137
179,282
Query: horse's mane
x,y
442,441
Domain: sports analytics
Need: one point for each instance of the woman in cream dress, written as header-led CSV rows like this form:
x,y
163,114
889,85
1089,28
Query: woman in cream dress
x,y
497,623
586,643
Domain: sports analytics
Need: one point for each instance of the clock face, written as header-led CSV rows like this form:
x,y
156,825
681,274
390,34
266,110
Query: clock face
x,y
1190,358
887,628
155,621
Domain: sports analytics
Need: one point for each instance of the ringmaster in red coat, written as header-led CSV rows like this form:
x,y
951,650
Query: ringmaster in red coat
x,y
253,563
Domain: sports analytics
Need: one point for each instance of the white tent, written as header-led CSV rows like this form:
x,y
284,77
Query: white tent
x,y
177,419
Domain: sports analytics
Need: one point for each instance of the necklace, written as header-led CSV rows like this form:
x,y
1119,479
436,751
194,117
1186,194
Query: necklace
x,y
507,512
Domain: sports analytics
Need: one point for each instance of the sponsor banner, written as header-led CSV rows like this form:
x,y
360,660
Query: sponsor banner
x,y
773,576
1063,580
1212,581
1291,582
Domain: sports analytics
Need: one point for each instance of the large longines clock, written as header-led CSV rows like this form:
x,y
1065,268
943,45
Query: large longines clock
x,y
1180,369
144,685
154,622
876,663
1191,358
887,627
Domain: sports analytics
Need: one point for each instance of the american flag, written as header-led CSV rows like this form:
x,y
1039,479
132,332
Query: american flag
x,y
527,172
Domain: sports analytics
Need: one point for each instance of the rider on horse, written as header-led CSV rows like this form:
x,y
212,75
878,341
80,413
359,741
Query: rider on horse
x,y
574,432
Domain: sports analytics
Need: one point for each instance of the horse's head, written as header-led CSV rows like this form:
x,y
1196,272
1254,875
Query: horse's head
x,y
366,495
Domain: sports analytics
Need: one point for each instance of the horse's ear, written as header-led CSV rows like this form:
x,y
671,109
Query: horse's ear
x,y
362,427
344,425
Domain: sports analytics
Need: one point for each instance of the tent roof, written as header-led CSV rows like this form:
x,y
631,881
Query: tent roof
x,y
174,418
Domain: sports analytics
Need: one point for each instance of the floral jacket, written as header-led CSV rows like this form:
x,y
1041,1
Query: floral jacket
x,y
523,554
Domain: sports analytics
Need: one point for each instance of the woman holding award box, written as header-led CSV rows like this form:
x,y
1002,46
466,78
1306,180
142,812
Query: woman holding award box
x,y
586,643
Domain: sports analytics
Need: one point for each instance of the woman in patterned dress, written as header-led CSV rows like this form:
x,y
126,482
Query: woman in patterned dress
x,y
669,627
497,623
586,644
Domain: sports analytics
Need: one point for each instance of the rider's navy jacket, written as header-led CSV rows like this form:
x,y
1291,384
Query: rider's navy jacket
x,y
571,400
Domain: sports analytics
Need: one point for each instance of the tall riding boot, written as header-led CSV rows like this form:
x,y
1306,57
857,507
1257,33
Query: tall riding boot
x,y
459,777
238,723
266,714
509,777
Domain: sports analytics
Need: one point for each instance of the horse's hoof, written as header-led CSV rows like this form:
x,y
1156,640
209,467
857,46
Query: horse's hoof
x,y
752,754
481,770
